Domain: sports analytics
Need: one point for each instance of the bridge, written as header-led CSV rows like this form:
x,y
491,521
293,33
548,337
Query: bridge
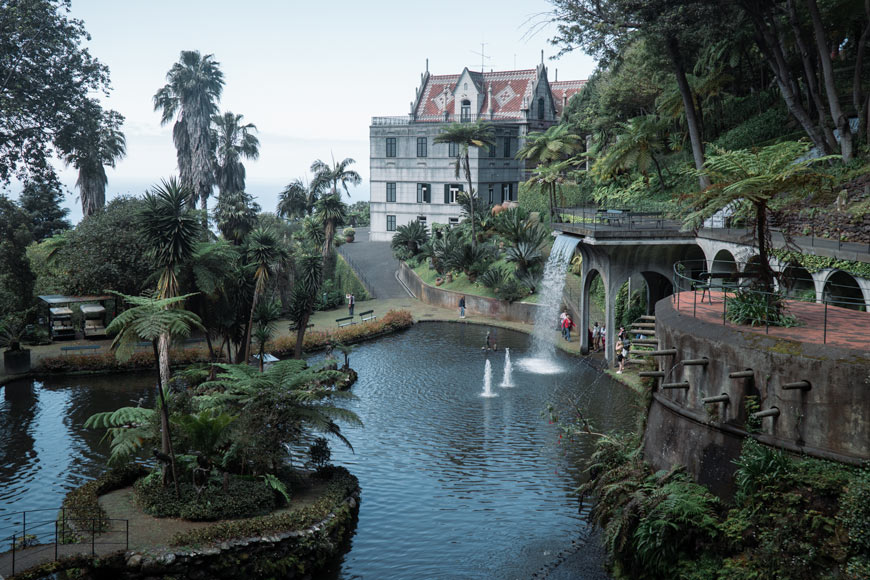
x,y
643,246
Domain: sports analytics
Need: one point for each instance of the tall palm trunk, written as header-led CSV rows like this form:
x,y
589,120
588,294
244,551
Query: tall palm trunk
x,y
250,326
692,121
300,334
765,276
165,435
470,199
161,355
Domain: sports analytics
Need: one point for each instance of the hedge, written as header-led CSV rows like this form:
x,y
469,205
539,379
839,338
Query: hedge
x,y
392,321
243,498
85,499
106,361
343,484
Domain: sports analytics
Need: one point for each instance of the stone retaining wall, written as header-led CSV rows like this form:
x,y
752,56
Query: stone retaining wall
x,y
830,421
492,307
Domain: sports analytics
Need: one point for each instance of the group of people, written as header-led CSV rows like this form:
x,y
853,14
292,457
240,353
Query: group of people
x,y
350,299
566,324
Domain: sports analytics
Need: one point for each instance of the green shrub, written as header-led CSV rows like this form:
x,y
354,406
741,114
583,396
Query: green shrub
x,y
855,517
341,486
243,498
392,321
329,297
511,290
759,309
493,278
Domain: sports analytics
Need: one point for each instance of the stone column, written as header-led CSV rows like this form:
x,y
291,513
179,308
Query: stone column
x,y
583,308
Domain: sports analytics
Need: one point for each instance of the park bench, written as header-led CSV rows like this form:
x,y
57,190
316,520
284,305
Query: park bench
x,y
367,315
639,218
610,216
346,321
723,281
80,347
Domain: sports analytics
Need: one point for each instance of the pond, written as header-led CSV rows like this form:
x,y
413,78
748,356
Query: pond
x,y
455,485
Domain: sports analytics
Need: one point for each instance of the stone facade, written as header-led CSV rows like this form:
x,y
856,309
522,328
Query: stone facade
x,y
413,178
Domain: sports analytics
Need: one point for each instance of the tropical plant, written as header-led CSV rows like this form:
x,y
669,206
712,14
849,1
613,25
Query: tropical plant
x,y
512,223
526,256
152,319
13,328
193,88
759,309
494,277
330,213
264,254
129,429
530,279
309,272
346,350
467,135
296,200
410,236
92,141
335,178
470,259
276,408
235,215
549,178
232,141
547,151
265,320
755,181
636,146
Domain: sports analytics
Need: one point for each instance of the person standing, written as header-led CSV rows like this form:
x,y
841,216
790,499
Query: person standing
x,y
462,307
596,337
350,304
620,358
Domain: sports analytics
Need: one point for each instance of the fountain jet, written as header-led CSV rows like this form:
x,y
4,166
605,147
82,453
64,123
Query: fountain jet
x,y
487,381
507,380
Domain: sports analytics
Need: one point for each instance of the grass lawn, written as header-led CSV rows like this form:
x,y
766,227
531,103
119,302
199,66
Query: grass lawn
x,y
462,285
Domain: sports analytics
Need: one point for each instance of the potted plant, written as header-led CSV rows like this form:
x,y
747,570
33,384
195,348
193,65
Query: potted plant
x,y
15,358
349,234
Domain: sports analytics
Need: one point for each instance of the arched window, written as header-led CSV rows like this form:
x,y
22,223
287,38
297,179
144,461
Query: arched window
x,y
541,108
466,111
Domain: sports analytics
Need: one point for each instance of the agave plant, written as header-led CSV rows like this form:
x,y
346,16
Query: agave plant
x,y
472,260
526,255
493,278
411,236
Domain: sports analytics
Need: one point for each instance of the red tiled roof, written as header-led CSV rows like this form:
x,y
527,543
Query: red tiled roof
x,y
562,89
509,90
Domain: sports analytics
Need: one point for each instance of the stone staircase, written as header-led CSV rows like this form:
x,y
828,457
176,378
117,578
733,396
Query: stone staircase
x,y
644,326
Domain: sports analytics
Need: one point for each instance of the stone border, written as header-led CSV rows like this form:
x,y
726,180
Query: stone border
x,y
490,307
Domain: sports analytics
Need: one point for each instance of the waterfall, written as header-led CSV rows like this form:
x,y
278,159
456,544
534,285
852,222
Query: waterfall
x,y
487,381
542,359
507,380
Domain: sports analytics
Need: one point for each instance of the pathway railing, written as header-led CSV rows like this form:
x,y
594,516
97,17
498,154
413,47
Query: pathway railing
x,y
651,216
359,273
733,278
46,531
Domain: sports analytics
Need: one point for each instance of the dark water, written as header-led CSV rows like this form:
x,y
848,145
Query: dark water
x,y
460,486
44,451
454,485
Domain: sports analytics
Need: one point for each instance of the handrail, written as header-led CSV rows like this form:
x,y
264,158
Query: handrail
x,y
735,276
66,528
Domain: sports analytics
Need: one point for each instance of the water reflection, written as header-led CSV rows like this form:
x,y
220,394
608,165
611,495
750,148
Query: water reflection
x,y
454,484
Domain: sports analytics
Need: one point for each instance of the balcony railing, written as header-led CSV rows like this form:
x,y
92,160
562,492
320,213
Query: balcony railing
x,y
446,118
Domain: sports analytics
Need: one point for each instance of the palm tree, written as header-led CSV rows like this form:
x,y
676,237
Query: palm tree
x,y
331,213
150,319
411,236
549,150
466,136
193,88
549,177
232,141
171,230
776,175
92,141
235,215
636,146
309,271
265,318
296,200
334,178
264,254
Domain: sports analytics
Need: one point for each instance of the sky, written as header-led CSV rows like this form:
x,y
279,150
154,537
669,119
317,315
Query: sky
x,y
309,75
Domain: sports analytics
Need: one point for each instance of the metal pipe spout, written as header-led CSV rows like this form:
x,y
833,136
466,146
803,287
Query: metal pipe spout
x,y
747,374
701,362
665,352
653,374
683,385
723,398
799,385
772,412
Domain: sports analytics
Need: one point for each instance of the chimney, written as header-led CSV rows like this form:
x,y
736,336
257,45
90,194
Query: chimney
x,y
427,65
557,76
489,99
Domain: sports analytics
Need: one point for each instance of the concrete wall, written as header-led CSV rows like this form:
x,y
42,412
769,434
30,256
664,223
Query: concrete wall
x,y
501,309
830,421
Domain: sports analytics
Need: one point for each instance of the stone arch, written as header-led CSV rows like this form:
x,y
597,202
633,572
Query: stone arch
x,y
724,262
657,288
842,289
797,282
589,276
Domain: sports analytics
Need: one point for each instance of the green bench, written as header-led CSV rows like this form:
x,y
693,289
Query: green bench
x,y
346,321
367,315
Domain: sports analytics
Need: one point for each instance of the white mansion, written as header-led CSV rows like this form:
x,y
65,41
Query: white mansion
x,y
412,178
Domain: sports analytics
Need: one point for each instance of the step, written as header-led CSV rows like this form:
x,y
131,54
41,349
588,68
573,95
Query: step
x,y
648,317
643,325
644,342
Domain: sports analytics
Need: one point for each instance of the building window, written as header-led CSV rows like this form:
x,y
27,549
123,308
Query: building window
x,y
451,190
491,193
492,150
507,146
422,146
391,146
391,223
391,192
505,192
465,115
422,220
424,191
454,221
453,149
541,109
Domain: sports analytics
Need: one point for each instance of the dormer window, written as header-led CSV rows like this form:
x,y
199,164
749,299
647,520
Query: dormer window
x,y
465,115
541,108
464,86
